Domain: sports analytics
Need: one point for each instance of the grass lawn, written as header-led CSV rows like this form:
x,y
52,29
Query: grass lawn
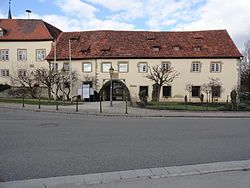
x,y
196,106
33,101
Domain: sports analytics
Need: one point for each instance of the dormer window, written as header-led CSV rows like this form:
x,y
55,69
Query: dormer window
x,y
105,49
150,38
198,36
85,49
197,48
1,32
176,48
156,48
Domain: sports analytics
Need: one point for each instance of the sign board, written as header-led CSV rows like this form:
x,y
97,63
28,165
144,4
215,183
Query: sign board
x,y
85,91
114,75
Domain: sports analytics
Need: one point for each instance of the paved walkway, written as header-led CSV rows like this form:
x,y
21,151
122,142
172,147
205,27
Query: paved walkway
x,y
232,174
119,109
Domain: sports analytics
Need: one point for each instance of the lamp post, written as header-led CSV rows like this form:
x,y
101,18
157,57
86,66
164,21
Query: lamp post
x,y
70,69
111,70
63,72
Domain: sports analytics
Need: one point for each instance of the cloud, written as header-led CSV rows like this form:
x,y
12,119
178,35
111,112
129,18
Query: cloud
x,y
77,8
233,16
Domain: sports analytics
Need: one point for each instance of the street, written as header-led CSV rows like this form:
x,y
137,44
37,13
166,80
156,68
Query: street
x,y
40,144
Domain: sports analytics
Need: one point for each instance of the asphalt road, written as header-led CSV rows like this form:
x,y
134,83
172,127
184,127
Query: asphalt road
x,y
38,144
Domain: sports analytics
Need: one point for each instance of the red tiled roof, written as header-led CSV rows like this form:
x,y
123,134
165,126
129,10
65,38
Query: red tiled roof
x,y
139,44
27,30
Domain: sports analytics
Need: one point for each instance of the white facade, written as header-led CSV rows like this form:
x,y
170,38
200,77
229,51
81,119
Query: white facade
x,y
23,56
226,70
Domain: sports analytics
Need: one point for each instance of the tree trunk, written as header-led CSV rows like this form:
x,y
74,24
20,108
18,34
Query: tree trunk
x,y
158,93
49,94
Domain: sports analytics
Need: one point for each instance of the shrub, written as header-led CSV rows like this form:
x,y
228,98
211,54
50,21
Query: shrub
x,y
4,87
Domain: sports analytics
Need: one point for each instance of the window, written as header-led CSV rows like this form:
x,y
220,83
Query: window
x,y
86,67
21,55
176,48
156,48
5,73
144,88
196,67
1,32
197,48
66,66
143,67
4,55
166,91
123,67
216,91
166,65
215,67
54,67
106,67
22,72
40,54
196,91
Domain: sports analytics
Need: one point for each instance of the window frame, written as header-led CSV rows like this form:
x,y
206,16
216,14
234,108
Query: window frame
x,y
4,54
21,72
146,67
215,67
166,63
37,52
124,63
54,67
86,63
146,88
22,55
167,92
64,65
199,92
193,68
215,90
5,73
105,63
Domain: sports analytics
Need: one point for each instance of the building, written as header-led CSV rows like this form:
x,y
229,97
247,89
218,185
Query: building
x,y
24,45
197,56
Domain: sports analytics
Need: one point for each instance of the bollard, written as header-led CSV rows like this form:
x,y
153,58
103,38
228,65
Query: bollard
x,y
23,101
100,99
76,104
39,102
126,110
227,104
57,104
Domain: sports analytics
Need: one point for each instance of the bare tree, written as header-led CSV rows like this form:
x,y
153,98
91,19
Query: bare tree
x,y
48,78
215,87
245,68
207,90
67,79
161,76
26,79
189,90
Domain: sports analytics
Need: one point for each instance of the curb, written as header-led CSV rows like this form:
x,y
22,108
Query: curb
x,y
129,115
131,175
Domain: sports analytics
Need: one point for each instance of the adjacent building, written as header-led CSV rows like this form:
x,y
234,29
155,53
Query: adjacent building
x,y
24,45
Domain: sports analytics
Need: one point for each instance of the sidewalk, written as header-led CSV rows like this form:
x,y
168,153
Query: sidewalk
x,y
119,109
232,174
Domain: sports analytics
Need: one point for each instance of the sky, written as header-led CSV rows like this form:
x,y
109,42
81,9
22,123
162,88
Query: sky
x,y
151,15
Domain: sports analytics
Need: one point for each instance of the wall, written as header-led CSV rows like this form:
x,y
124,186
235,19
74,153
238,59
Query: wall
x,y
133,79
13,64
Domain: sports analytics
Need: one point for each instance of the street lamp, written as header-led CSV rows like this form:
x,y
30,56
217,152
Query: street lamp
x,y
63,73
111,71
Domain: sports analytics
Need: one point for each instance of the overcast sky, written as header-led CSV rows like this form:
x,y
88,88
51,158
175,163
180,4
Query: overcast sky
x,y
156,15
